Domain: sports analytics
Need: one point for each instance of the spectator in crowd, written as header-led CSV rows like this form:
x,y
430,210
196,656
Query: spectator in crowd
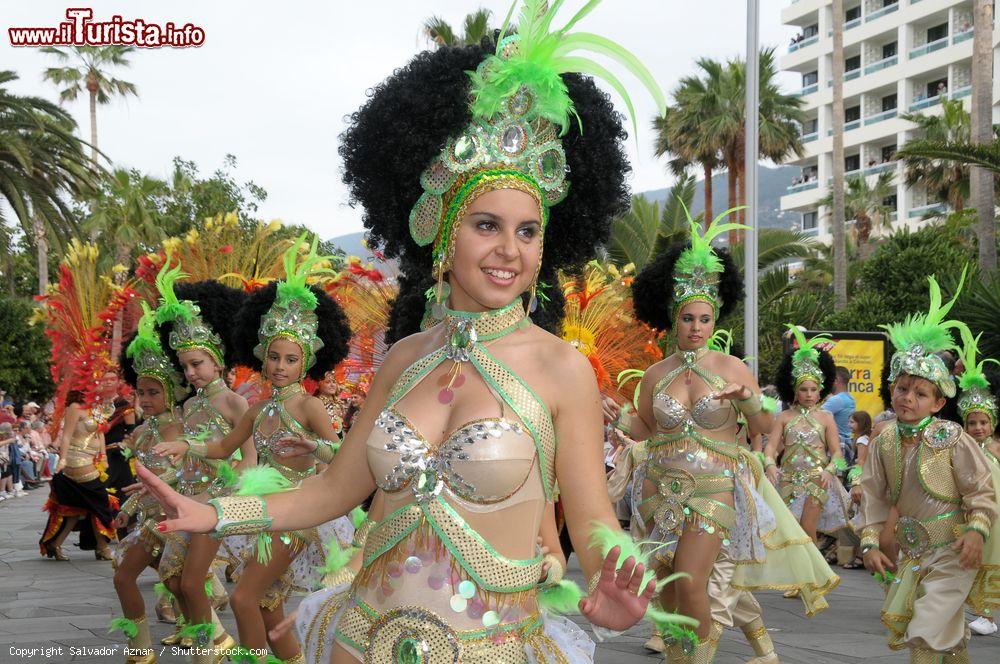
x,y
7,440
841,405
42,441
30,460
7,413
30,412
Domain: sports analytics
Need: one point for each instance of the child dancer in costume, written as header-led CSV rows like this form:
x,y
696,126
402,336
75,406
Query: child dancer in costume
x,y
287,330
196,322
808,436
940,481
698,493
469,427
977,406
158,388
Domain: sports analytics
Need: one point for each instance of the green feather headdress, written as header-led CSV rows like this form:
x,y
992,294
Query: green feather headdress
x,y
149,360
292,316
918,338
721,341
697,270
189,331
805,359
976,394
520,107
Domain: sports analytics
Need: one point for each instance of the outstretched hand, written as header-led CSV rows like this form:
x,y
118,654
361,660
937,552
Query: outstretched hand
x,y
733,392
295,446
618,602
183,513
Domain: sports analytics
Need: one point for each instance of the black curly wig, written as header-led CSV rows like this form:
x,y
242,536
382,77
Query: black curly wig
x,y
333,330
219,305
786,384
405,124
653,288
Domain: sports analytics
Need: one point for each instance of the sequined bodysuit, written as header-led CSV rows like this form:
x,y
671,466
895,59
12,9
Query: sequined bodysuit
x,y
804,458
202,420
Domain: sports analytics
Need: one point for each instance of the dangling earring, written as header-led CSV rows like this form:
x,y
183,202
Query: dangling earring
x,y
441,296
532,300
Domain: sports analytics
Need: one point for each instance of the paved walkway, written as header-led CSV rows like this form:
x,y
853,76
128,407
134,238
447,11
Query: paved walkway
x,y
64,607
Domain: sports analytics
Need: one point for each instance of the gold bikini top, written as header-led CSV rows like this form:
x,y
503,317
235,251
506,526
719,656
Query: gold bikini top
x,y
707,413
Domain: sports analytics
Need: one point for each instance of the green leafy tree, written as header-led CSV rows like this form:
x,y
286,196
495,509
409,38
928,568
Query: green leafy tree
x,y
24,364
193,198
864,203
892,283
644,231
945,180
88,68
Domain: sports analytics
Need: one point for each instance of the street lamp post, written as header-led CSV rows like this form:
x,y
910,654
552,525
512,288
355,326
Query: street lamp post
x,y
750,152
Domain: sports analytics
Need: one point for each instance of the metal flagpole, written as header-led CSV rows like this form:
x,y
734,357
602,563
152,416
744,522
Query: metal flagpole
x,y
751,150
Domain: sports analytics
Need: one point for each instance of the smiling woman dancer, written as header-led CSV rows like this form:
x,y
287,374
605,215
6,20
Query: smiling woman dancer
x,y
470,426
698,493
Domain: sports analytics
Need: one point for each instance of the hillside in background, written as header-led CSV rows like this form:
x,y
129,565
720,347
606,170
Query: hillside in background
x,y
772,185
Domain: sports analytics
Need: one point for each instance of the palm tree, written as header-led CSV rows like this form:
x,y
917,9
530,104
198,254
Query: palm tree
x,y
864,203
982,116
42,162
943,179
125,215
90,71
839,242
780,118
475,27
678,133
644,232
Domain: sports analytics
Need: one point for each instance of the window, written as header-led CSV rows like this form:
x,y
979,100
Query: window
x,y
887,3
888,153
853,113
889,102
852,163
852,63
812,126
809,221
810,78
937,32
890,202
937,87
852,13
888,50
810,30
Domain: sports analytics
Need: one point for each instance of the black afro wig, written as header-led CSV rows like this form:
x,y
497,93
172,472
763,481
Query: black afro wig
x,y
653,288
333,329
786,384
219,305
406,122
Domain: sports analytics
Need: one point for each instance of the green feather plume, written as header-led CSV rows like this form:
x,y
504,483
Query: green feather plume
x,y
208,589
541,55
243,656
146,338
628,375
196,631
294,285
721,341
126,453
701,256
807,350
603,539
264,548
162,592
673,625
125,626
929,330
854,475
337,557
973,376
768,404
358,516
840,463
262,480
562,597
171,308
226,475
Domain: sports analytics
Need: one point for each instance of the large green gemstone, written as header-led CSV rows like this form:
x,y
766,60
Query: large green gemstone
x,y
409,652
549,164
464,149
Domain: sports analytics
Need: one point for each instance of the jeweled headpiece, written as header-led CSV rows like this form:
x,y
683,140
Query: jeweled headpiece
x,y
292,316
190,331
149,360
976,394
920,337
520,107
805,359
697,270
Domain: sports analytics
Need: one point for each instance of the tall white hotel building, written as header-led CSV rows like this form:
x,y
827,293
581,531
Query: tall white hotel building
x,y
900,56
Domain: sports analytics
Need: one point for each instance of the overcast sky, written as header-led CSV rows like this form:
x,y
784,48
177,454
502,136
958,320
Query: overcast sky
x,y
274,81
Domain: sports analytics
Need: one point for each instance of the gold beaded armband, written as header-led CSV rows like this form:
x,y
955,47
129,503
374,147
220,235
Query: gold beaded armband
x,y
592,584
769,462
325,450
980,523
869,538
198,448
749,406
240,515
131,505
